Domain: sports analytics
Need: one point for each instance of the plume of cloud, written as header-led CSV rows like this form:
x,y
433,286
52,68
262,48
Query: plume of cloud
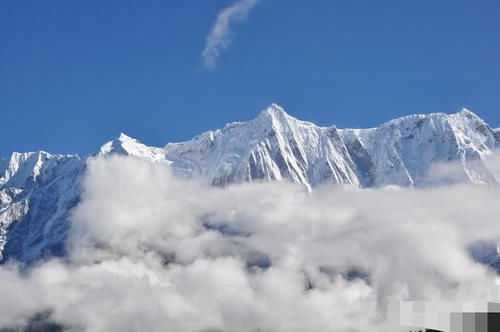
x,y
219,37
157,253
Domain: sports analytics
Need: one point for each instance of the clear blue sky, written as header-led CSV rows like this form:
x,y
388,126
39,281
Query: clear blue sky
x,y
74,74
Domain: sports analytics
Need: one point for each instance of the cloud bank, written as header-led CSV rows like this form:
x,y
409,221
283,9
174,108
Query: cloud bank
x,y
150,252
219,37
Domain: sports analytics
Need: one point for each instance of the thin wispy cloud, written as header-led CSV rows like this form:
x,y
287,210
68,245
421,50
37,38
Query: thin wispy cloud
x,y
220,35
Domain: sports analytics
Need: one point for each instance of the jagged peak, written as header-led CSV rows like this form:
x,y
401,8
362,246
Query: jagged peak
x,y
126,145
466,111
469,115
18,158
276,110
413,118
31,155
22,165
120,144
273,112
18,155
463,114
126,138
276,114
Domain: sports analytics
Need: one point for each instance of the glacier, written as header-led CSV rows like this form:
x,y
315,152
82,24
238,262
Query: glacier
x,y
39,189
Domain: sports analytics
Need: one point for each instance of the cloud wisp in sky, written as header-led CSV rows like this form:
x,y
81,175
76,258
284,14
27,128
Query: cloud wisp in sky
x,y
219,38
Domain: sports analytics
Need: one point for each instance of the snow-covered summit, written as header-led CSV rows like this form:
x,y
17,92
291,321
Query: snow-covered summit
x,y
275,114
404,150
129,146
273,146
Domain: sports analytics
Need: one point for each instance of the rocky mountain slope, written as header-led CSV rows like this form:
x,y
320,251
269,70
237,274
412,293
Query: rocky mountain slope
x,y
38,189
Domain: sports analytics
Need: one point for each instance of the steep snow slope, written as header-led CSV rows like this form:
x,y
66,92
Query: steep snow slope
x,y
37,189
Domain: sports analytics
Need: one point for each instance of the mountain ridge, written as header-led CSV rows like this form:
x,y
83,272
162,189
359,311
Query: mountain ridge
x,y
38,189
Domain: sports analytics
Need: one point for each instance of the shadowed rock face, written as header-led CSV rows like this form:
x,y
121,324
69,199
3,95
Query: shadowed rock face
x,y
38,189
40,322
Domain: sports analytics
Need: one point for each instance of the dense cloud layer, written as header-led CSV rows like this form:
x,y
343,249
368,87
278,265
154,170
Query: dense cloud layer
x,y
149,252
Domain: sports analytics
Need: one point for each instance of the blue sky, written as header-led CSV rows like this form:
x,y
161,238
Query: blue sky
x,y
74,74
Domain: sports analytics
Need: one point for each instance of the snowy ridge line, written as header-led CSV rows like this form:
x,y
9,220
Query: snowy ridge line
x,y
276,146
38,189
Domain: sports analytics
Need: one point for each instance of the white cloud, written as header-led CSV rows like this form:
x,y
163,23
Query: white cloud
x,y
219,37
156,253
486,170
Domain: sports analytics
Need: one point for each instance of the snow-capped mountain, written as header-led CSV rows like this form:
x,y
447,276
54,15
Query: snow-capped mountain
x,y
276,146
38,189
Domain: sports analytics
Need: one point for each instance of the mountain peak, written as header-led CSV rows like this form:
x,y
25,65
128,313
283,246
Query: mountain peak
x,y
469,114
466,111
275,113
275,109
126,145
125,138
473,120
121,144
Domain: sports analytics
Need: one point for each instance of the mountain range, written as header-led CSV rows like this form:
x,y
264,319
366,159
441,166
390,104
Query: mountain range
x,y
39,189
